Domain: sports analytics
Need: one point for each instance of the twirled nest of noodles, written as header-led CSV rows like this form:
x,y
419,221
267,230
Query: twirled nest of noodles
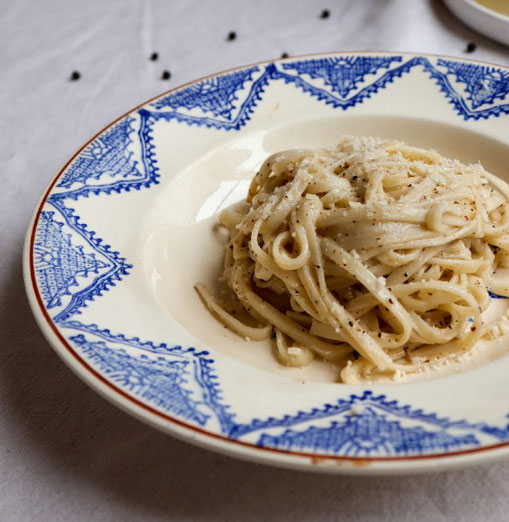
x,y
373,255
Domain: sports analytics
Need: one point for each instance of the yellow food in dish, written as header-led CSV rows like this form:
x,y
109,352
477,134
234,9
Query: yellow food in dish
x,y
499,6
374,255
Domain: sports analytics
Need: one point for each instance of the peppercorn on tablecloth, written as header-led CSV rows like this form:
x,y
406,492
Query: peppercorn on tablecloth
x,y
67,69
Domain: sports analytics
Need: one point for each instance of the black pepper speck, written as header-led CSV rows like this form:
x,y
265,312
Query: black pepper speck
x,y
231,36
75,75
166,75
154,56
325,14
471,47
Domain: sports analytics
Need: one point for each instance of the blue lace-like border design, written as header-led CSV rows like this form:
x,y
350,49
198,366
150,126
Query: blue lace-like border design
x,y
368,425
195,376
80,272
341,82
107,164
73,266
183,382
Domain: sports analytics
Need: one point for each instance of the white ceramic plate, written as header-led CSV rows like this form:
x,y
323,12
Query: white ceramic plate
x,y
125,230
490,22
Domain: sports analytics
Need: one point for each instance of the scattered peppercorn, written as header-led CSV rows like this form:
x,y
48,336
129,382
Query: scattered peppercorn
x,y
350,323
284,55
154,56
471,47
166,75
231,36
325,14
75,76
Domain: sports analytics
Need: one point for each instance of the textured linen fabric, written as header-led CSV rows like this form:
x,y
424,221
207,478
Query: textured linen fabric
x,y
67,454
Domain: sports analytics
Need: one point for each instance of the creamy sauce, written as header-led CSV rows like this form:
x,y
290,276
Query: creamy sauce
x,y
188,203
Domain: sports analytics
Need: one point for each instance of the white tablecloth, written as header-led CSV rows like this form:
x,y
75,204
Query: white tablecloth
x,y
65,453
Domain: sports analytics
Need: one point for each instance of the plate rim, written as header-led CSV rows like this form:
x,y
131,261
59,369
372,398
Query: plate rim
x,y
169,423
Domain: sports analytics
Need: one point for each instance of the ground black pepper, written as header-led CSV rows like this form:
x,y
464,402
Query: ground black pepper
x,y
154,56
75,75
325,14
471,47
231,36
166,75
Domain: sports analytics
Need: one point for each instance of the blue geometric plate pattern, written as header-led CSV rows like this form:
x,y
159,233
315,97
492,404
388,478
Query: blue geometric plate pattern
x,y
73,267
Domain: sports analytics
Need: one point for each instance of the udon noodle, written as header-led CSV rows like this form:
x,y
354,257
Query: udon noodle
x,y
374,255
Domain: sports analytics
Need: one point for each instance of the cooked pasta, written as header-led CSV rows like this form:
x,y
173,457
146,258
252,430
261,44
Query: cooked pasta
x,y
373,255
